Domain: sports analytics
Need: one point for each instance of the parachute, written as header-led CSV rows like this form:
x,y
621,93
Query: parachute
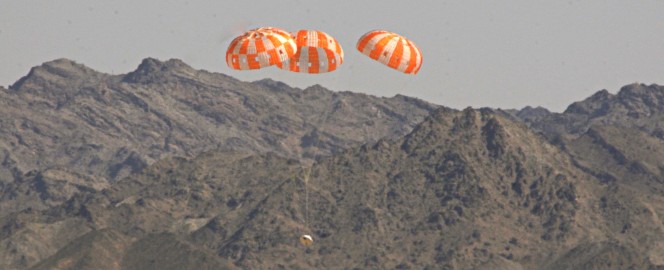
x,y
259,48
317,52
392,50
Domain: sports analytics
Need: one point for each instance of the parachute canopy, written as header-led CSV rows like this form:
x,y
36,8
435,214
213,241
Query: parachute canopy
x,y
306,240
259,48
392,50
317,52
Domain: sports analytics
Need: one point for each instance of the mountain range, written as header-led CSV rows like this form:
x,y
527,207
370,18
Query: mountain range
x,y
168,167
66,128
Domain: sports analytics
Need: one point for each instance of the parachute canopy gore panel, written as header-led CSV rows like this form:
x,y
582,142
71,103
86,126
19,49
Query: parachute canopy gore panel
x,y
259,48
317,52
393,50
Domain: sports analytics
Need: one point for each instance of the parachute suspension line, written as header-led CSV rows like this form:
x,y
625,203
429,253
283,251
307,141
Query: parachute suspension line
x,y
306,202
306,197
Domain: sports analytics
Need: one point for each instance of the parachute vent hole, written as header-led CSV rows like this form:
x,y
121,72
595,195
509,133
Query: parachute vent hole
x,y
309,64
332,61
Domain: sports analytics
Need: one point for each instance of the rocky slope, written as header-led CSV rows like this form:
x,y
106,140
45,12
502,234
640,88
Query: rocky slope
x,y
463,190
614,137
168,167
636,106
66,125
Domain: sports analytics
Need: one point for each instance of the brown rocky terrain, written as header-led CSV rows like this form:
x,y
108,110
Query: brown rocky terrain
x,y
616,138
636,106
464,190
376,188
65,128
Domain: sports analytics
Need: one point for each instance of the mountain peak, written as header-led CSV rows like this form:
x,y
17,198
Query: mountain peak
x,y
445,123
592,104
634,99
173,63
316,87
647,93
54,73
153,70
633,89
538,109
63,63
529,113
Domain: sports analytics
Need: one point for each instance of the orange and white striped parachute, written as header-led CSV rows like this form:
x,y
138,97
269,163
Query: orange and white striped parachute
x,y
317,52
259,48
392,50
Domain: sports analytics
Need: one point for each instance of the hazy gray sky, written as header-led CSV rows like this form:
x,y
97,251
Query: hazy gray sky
x,y
504,54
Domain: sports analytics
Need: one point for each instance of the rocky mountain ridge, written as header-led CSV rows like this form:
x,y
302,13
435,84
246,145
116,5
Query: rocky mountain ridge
x,y
66,118
463,190
381,183
636,105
